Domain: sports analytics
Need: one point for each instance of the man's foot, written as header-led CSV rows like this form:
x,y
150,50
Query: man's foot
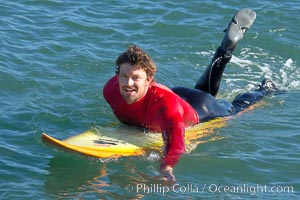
x,y
268,86
240,23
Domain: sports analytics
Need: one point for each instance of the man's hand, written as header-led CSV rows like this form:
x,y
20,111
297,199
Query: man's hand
x,y
167,173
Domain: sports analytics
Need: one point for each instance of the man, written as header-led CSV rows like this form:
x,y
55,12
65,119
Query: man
x,y
136,99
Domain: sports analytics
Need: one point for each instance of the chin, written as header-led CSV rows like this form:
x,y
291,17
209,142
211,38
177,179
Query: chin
x,y
129,100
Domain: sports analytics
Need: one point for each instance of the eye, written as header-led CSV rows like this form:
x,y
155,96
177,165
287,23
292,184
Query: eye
x,y
136,78
122,76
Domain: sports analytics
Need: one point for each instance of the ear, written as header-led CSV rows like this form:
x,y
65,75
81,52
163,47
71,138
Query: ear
x,y
149,79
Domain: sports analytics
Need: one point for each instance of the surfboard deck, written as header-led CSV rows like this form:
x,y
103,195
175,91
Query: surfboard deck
x,y
125,140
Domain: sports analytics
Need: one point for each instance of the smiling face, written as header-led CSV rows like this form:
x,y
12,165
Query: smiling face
x,y
133,82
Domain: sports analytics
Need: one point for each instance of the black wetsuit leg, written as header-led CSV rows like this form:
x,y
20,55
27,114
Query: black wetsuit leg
x,y
244,100
207,106
202,97
210,80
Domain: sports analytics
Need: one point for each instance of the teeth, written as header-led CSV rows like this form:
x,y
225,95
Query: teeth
x,y
129,90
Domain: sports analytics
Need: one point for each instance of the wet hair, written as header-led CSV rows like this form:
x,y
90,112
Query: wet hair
x,y
138,58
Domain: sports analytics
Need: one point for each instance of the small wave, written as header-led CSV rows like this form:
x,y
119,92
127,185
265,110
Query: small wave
x,y
252,65
257,64
153,156
290,75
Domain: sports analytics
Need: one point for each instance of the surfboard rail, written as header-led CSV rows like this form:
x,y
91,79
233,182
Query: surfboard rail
x,y
127,141
100,151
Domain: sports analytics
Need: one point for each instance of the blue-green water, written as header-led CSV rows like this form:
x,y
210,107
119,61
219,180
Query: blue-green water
x,y
55,57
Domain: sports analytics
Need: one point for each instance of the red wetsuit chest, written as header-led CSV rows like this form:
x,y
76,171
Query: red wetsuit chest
x,y
153,110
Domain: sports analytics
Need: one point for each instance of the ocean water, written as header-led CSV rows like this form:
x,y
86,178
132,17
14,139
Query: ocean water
x,y
56,56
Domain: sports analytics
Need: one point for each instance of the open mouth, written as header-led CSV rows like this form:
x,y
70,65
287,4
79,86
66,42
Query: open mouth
x,y
129,90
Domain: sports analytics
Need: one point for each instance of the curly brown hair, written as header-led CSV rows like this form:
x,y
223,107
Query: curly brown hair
x,y
137,58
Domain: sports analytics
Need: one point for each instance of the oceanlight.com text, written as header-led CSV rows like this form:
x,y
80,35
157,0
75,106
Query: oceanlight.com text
x,y
207,188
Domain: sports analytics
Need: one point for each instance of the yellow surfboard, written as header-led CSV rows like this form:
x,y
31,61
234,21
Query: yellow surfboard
x,y
126,140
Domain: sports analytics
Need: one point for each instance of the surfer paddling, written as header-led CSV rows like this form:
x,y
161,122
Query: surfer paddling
x,y
137,99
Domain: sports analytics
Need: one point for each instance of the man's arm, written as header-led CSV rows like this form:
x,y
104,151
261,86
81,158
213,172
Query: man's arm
x,y
173,129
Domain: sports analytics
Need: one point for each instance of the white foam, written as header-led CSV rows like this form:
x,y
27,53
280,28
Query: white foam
x,y
290,75
266,70
277,30
257,64
204,53
153,156
241,62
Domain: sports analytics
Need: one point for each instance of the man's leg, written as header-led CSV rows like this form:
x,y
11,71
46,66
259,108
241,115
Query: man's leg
x,y
211,78
206,106
201,98
244,100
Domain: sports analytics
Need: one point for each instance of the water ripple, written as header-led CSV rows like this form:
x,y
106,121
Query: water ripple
x,y
56,56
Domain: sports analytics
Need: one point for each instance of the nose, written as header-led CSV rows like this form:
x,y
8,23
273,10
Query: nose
x,y
129,81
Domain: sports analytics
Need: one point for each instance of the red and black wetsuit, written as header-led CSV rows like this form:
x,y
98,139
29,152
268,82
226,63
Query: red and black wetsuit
x,y
160,110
